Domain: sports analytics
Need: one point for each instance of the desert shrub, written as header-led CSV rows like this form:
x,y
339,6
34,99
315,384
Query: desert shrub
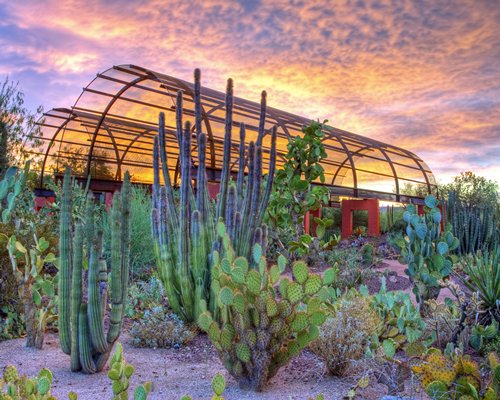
x,y
161,328
345,336
12,322
144,295
491,345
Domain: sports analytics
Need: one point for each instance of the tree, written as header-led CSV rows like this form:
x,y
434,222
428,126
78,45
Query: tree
x,y
18,129
474,190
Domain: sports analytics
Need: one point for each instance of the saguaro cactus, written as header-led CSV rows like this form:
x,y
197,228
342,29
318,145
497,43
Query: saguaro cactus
x,y
81,322
184,235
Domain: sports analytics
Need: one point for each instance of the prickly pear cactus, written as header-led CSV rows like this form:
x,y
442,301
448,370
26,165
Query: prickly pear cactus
x,y
426,250
120,373
460,378
15,387
257,330
11,186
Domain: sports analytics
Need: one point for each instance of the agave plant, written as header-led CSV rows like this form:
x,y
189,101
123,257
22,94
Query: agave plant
x,y
483,277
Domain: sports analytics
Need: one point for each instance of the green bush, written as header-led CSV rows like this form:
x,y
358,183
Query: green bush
x,y
144,295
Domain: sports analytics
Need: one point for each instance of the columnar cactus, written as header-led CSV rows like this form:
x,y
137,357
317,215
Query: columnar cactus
x,y
426,250
475,227
184,234
81,318
259,331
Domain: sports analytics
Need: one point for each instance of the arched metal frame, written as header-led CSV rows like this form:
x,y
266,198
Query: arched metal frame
x,y
114,120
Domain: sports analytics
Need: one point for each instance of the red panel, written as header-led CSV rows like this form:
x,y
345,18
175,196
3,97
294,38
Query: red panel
x,y
40,202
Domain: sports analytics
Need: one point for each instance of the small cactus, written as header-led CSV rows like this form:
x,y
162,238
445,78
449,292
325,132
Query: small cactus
x,y
120,373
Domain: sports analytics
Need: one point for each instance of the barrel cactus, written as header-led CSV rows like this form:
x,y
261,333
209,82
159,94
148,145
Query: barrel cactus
x,y
184,231
426,250
81,318
258,330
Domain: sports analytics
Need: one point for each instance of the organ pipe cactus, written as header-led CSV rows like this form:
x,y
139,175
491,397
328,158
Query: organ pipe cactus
x,y
426,250
81,318
184,234
259,331
475,227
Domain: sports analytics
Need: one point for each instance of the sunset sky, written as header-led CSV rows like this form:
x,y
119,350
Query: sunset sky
x,y
424,75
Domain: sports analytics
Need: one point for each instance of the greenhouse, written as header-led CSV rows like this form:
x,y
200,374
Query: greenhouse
x,y
112,125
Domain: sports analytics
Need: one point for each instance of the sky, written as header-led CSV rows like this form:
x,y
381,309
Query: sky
x,y
423,75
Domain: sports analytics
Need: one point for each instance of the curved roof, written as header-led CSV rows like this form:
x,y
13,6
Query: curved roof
x,y
112,124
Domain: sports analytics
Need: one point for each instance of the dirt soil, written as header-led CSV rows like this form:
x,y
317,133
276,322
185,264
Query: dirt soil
x,y
188,370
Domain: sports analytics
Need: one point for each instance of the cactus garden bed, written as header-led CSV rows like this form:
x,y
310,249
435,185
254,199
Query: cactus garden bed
x,y
176,372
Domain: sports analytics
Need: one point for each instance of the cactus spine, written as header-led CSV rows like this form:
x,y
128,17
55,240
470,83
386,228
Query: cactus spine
x,y
81,323
184,235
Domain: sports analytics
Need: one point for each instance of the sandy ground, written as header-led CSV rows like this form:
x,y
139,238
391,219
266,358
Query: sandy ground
x,y
174,373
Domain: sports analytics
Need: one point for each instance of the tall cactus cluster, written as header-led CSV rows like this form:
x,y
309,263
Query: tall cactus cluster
x,y
258,330
184,234
475,227
426,250
81,317
11,186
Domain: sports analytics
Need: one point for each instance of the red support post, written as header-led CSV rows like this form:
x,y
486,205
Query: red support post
x,y
370,205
